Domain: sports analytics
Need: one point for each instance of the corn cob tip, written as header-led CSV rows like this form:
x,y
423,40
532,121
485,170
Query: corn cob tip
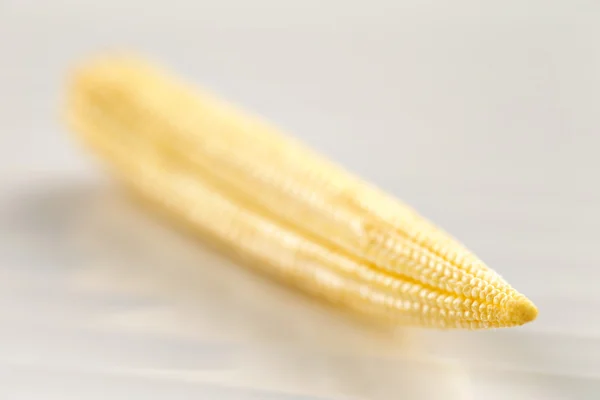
x,y
522,310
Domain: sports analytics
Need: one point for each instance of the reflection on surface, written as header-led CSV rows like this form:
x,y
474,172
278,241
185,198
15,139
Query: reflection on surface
x,y
98,297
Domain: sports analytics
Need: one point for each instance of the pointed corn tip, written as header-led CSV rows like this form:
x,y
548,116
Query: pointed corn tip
x,y
521,311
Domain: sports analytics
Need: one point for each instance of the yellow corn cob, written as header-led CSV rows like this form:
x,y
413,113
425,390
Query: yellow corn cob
x,y
268,198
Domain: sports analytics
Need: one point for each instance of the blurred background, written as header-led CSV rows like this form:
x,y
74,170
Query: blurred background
x,y
482,115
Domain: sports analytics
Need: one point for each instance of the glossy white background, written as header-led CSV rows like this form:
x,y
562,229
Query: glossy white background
x,y
483,115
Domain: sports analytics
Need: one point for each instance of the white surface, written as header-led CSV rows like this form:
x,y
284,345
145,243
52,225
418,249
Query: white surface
x,y
483,117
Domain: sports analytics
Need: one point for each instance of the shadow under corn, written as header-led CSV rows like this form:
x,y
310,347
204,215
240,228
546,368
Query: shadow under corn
x,y
136,280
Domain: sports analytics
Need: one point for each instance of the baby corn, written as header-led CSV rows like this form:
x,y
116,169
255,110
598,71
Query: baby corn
x,y
267,198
